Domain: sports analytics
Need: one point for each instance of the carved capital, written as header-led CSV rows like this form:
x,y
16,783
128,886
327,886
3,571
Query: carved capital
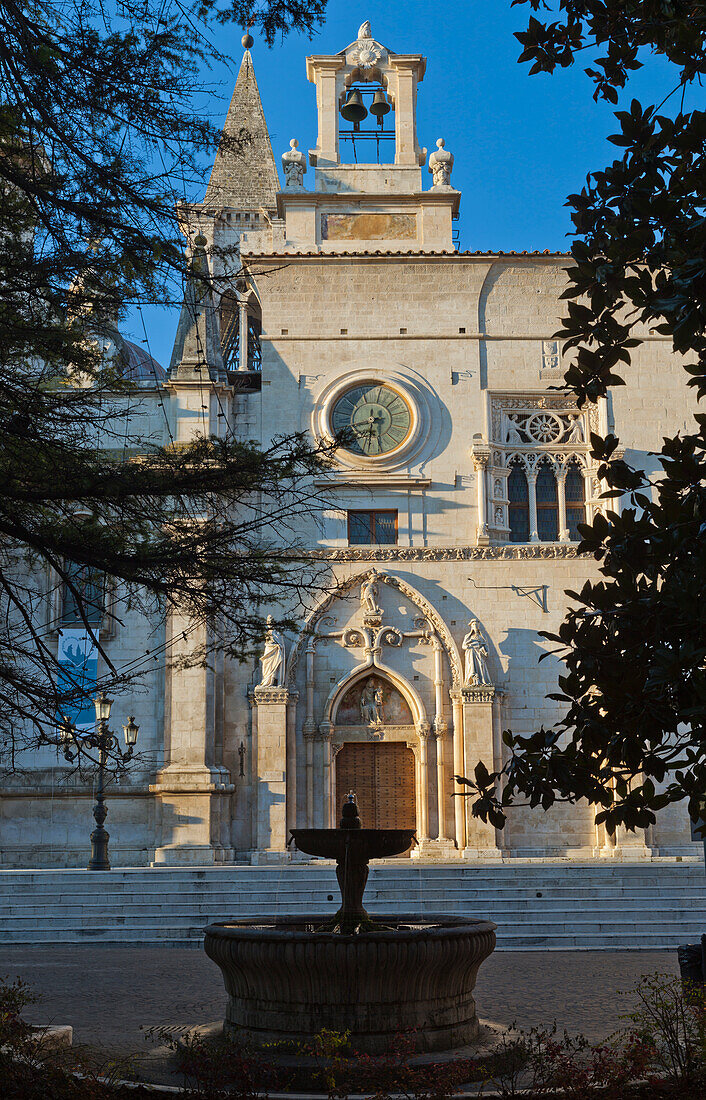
x,y
423,729
480,456
441,727
325,731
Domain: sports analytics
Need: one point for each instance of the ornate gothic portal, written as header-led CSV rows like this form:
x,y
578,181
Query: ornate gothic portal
x,y
377,702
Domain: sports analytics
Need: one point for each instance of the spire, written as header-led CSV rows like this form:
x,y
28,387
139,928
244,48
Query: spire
x,y
197,345
244,173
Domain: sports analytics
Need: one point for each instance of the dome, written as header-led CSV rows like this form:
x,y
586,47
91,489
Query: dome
x,y
140,365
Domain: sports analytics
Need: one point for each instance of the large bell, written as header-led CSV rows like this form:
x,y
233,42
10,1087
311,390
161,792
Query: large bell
x,y
354,110
379,106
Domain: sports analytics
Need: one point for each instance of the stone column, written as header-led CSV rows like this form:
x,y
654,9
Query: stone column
x,y
480,464
423,730
291,773
479,737
269,772
459,767
309,736
561,500
325,732
242,336
532,494
326,151
441,742
193,789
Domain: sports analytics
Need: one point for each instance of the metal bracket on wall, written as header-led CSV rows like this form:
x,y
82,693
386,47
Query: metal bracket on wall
x,y
537,593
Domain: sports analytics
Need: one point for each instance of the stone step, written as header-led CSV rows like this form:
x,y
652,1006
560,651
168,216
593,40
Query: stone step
x,y
587,906
556,940
25,915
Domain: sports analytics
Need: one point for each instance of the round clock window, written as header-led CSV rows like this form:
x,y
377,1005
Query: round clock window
x,y
373,418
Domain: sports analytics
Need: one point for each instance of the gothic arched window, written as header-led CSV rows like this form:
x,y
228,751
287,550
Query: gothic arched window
x,y
230,331
254,348
518,493
547,504
575,500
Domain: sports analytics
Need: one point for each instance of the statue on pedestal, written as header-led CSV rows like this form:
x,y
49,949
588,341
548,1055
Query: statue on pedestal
x,y
272,660
475,649
441,162
294,165
369,595
371,704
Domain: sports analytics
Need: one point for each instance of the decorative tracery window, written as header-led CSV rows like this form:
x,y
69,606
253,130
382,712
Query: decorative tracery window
x,y
536,478
241,329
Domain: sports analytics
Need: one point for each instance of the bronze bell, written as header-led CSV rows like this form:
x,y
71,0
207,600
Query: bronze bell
x,y
354,110
379,106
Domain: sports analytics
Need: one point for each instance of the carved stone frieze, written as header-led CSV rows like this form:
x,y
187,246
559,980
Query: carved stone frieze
x,y
537,413
448,553
482,693
272,695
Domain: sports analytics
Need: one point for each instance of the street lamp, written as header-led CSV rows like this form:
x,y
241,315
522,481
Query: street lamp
x,y
104,740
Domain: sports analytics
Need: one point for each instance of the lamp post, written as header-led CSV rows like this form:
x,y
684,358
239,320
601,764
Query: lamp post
x,y
104,740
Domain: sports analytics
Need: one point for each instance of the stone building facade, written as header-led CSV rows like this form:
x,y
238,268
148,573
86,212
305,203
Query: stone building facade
x,y
448,535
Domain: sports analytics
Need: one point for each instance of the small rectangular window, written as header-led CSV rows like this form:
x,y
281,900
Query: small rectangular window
x,y
378,528
90,585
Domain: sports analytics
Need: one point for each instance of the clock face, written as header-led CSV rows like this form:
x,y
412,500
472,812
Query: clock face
x,y
376,419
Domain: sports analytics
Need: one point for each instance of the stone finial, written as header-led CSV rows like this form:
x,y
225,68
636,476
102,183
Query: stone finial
x,y
247,41
441,162
294,166
365,30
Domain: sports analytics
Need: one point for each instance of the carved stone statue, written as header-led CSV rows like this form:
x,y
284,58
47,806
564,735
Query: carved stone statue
x,y
576,431
476,655
369,595
371,703
512,434
272,660
441,162
294,165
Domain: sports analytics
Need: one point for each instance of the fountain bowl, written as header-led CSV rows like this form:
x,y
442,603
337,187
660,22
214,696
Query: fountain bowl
x,y
286,981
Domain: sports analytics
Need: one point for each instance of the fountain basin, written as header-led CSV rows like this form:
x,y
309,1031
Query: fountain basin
x,y
286,981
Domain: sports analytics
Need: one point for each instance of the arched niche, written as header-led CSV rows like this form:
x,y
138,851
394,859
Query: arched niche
x,y
357,679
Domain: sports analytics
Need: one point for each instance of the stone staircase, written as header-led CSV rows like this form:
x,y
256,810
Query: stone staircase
x,y
536,906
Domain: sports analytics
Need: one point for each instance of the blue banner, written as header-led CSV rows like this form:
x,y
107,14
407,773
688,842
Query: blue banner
x,y
78,673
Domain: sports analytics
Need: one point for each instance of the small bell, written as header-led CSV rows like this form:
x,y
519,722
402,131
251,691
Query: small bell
x,y
379,106
354,110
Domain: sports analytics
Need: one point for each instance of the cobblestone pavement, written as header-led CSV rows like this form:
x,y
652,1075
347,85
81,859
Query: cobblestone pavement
x,y
110,995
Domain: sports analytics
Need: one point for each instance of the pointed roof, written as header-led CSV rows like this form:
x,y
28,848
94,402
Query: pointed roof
x,y
244,173
197,345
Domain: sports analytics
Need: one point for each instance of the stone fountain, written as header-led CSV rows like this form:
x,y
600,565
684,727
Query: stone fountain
x,y
287,978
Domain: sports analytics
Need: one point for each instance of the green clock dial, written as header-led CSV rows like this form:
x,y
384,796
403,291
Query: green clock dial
x,y
374,418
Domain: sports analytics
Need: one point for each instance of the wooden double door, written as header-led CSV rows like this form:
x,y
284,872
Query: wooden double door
x,y
382,776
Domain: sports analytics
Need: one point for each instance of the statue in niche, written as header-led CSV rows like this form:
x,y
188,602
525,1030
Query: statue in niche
x,y
371,711
369,595
512,434
272,660
576,431
294,165
475,650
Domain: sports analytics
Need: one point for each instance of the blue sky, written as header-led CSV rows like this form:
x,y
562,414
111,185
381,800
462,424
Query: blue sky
x,y
521,144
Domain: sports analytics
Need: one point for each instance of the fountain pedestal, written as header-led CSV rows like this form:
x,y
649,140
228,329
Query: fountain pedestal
x,y
287,979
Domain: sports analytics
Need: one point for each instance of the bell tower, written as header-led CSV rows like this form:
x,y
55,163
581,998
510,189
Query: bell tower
x,y
366,61
367,193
